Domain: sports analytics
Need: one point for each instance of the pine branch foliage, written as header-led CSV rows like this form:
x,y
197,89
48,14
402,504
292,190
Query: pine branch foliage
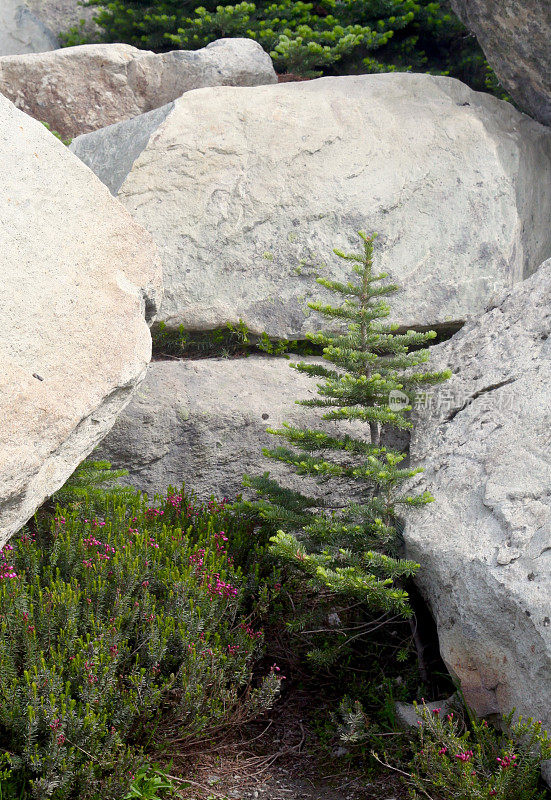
x,y
351,551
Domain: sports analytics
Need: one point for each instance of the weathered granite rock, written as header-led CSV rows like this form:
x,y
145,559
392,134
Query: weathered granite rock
x,y
21,31
246,192
79,278
515,37
60,15
546,772
204,422
485,544
79,89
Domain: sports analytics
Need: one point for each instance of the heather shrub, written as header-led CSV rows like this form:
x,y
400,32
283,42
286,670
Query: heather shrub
x,y
114,611
461,758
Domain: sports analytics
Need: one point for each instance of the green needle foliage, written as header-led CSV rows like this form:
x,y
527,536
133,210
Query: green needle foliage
x,y
351,552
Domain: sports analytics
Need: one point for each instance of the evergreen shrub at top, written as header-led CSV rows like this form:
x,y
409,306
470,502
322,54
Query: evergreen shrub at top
x,y
112,610
308,39
350,552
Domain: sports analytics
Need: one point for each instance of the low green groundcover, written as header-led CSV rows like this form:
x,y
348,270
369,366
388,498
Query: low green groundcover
x,y
110,615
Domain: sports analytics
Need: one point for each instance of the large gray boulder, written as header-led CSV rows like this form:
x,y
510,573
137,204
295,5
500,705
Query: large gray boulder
x,y
21,31
33,26
485,544
246,192
546,772
80,279
204,422
515,36
79,89
60,15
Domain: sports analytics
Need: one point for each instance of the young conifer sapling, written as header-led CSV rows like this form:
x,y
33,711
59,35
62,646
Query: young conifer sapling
x,y
351,549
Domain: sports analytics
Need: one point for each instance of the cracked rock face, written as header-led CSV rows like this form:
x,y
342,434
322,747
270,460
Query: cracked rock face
x,y
515,36
485,544
80,89
79,277
247,192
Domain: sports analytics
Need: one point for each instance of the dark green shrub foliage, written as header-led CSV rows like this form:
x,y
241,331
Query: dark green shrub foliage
x,y
227,341
308,39
105,619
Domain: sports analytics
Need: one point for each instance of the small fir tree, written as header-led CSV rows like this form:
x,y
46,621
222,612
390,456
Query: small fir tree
x,y
353,551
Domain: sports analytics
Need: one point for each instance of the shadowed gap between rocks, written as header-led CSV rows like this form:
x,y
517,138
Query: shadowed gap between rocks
x,y
169,343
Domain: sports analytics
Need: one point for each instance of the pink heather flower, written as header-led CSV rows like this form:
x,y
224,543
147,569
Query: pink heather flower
x,y
61,739
507,761
436,711
466,756
249,631
442,751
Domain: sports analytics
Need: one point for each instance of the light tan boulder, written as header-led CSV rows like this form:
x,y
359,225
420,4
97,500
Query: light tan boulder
x,y
484,545
79,89
80,279
204,422
247,191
